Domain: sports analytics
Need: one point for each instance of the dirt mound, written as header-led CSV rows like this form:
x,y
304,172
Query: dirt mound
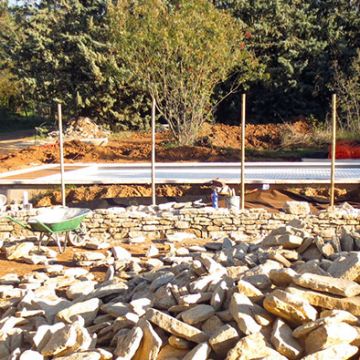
x,y
258,136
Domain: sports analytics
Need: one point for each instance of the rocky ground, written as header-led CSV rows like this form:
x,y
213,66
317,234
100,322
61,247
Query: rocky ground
x,y
288,295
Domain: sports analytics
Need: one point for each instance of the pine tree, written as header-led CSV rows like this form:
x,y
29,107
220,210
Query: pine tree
x,y
64,56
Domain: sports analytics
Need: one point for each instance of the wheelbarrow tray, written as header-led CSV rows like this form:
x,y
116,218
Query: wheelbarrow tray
x,y
58,220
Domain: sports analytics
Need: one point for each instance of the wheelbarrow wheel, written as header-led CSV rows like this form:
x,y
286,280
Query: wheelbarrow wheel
x,y
76,238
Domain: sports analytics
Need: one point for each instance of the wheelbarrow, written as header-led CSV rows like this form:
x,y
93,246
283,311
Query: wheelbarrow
x,y
59,221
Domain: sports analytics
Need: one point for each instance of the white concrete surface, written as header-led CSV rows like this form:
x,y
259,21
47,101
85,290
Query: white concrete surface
x,y
311,172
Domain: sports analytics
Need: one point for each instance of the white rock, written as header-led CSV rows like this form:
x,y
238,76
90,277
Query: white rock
x,y
199,352
87,310
80,288
18,251
152,251
180,236
31,355
120,253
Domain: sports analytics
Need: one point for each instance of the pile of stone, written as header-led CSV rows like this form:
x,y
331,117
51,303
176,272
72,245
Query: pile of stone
x,y
84,127
286,296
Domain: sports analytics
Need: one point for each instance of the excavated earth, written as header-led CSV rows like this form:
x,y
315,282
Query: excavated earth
x,y
216,143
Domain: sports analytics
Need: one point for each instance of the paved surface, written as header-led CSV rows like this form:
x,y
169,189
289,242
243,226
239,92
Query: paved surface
x,y
314,172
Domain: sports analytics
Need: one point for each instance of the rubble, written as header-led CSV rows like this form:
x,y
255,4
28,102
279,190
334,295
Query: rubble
x,y
286,294
84,128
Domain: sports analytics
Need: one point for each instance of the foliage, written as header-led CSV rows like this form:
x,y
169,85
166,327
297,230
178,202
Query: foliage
x,y
64,56
297,41
348,89
62,50
9,86
180,52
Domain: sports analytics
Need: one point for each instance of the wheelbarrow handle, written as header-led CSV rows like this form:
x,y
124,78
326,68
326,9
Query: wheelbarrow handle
x,y
25,226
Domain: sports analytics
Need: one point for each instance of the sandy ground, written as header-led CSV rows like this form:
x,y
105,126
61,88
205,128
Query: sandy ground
x,y
66,258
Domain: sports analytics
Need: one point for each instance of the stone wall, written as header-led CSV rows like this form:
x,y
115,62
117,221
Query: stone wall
x,y
121,224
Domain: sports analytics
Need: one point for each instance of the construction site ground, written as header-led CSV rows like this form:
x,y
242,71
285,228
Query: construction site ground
x,y
216,143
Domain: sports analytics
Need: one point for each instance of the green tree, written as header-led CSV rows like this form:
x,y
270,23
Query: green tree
x,y
299,42
284,38
9,86
180,52
64,55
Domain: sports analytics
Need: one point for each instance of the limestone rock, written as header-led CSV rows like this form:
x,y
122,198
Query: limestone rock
x,y
179,343
18,251
105,290
61,340
326,317
180,236
89,256
249,347
297,207
224,339
338,352
120,253
198,314
287,241
31,355
340,315
115,309
283,340
282,277
241,309
86,309
199,352
253,293
128,344
175,327
168,352
346,267
329,334
212,324
150,344
80,288
326,301
152,251
219,295
289,307
89,355
328,284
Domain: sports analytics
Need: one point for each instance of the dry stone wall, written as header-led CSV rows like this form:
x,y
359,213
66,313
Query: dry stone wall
x,y
120,224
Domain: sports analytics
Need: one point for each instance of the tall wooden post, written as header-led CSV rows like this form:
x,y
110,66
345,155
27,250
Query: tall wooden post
x,y
61,145
333,152
242,181
153,178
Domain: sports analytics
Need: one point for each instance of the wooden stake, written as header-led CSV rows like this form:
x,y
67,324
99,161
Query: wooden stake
x,y
242,181
333,153
61,144
153,179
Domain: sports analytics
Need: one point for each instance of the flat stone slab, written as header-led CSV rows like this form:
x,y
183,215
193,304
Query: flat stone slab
x,y
176,327
326,301
346,267
342,287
